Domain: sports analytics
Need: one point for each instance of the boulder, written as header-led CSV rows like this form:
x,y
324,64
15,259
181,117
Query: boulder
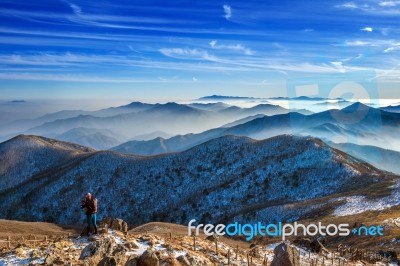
x,y
285,255
148,258
20,252
35,255
303,242
108,261
183,260
106,222
98,249
50,259
132,261
119,225
317,247
131,245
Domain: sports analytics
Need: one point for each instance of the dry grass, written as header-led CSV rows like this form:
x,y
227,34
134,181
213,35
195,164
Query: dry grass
x,y
17,228
163,230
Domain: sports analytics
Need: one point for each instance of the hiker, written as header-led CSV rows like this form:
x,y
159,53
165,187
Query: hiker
x,y
90,206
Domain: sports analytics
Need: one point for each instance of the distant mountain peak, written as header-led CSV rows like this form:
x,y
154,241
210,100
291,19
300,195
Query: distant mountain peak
x,y
27,139
358,106
134,104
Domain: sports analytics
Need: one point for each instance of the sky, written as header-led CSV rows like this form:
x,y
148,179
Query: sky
x,y
162,50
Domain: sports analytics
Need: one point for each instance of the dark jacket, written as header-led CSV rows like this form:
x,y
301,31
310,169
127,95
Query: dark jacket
x,y
90,205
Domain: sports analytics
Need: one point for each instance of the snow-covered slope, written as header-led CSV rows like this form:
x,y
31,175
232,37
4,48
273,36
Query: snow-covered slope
x,y
24,156
223,179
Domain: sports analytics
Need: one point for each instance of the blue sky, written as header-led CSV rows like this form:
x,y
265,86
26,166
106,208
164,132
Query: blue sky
x,y
156,50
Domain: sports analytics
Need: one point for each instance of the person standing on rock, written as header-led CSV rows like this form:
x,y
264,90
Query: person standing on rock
x,y
90,206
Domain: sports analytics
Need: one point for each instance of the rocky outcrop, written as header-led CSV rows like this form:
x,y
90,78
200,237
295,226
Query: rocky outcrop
x,y
317,247
115,224
148,258
285,255
101,248
183,260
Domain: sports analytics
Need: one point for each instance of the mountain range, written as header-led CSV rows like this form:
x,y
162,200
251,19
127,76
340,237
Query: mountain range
x,y
225,179
133,121
357,123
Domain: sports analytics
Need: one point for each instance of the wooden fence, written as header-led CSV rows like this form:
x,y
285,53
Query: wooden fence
x,y
31,240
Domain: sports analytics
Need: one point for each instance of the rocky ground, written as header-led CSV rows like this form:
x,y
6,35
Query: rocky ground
x,y
116,246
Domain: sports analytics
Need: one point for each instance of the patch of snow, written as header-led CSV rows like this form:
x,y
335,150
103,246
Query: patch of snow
x,y
12,260
142,247
359,204
178,253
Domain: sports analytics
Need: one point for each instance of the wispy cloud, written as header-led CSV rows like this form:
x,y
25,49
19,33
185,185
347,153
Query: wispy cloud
x,y
376,8
186,53
348,5
237,47
389,3
368,29
227,11
61,59
393,47
73,78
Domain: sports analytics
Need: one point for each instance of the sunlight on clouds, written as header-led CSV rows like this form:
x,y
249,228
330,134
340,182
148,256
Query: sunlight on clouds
x,y
368,29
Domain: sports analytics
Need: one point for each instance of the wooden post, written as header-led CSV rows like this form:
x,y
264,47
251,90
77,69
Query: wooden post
x,y
237,251
333,257
216,247
9,242
46,239
229,257
265,260
170,236
194,242
248,260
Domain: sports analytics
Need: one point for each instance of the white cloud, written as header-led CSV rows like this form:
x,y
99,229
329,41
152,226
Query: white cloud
x,y
393,47
61,59
358,43
194,79
361,43
237,47
389,3
227,11
185,53
349,5
75,8
368,29
352,58
339,66
69,78
387,8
